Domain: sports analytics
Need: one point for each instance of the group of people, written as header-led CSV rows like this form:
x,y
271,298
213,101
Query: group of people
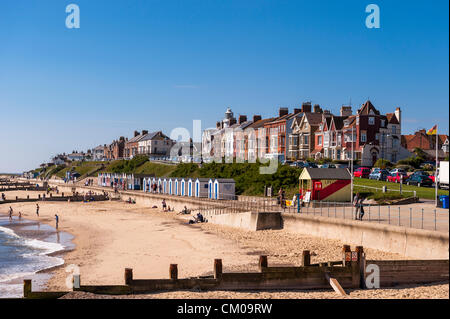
x,y
89,182
155,188
166,208
11,212
197,219
359,207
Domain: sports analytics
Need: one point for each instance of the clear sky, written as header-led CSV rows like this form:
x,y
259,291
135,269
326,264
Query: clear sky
x,y
158,65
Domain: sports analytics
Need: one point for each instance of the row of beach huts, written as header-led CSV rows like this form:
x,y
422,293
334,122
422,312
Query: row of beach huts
x,y
213,188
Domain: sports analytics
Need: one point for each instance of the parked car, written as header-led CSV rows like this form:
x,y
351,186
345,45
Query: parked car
x,y
379,174
298,164
419,180
362,172
327,165
397,177
310,165
398,170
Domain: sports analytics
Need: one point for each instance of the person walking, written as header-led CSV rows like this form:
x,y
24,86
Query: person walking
x,y
37,210
164,205
356,205
57,220
10,213
361,208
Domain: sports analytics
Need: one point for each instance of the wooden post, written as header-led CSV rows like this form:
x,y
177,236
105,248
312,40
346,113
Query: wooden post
x,y
306,258
26,288
17,198
51,195
263,262
217,268
39,196
346,250
76,281
128,276
62,194
335,284
28,196
361,265
173,271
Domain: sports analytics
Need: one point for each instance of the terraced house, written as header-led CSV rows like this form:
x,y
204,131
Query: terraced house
x,y
301,140
155,144
132,145
369,133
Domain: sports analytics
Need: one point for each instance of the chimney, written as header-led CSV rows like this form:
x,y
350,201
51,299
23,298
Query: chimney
x,y
256,118
317,109
242,119
398,115
296,111
218,125
122,138
326,112
136,133
283,111
232,121
346,110
144,132
306,107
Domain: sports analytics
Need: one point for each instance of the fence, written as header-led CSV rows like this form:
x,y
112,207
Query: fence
x,y
386,189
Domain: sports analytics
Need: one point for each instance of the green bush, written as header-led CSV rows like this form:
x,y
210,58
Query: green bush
x,y
382,163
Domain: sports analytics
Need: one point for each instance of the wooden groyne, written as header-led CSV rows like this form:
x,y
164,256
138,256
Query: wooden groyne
x,y
57,198
348,273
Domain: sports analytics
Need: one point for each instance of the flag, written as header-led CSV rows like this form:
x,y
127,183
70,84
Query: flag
x,y
432,131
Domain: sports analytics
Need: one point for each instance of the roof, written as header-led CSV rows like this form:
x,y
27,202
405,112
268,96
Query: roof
x,y
366,108
203,179
136,138
325,173
224,180
314,118
151,136
261,123
392,118
339,122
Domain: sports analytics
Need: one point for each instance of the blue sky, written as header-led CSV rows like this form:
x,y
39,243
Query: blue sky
x,y
158,65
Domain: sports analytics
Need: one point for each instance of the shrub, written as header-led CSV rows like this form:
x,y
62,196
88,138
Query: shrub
x,y
382,163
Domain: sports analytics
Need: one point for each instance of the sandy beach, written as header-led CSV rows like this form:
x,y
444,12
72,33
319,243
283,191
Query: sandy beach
x,y
110,236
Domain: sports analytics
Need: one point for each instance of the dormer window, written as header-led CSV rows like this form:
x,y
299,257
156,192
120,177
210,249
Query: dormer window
x,y
371,121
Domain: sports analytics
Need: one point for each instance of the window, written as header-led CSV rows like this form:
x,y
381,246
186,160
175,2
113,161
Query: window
x,y
363,137
371,121
382,123
377,136
305,141
394,129
319,140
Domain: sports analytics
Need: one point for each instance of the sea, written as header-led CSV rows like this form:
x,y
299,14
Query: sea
x,y
27,249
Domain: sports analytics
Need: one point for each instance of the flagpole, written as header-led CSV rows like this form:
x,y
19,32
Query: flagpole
x,y
436,182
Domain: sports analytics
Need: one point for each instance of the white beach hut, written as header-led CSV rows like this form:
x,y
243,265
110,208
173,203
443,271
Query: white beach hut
x,y
190,187
160,181
165,184
201,187
183,187
211,189
170,186
177,182
224,188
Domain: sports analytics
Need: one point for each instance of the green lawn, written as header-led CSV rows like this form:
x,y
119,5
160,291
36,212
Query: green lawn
x,y
421,192
160,170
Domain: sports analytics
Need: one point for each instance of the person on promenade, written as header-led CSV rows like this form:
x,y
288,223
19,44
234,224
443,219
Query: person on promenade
x,y
361,208
57,220
164,205
356,205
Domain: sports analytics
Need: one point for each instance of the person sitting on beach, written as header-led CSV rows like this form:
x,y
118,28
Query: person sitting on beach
x,y
200,218
164,205
184,211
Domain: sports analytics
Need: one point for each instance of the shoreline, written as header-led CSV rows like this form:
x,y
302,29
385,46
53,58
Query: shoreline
x,y
30,234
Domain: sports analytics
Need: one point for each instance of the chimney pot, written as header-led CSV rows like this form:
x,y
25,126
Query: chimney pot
x,y
283,111
306,107
256,118
296,111
144,132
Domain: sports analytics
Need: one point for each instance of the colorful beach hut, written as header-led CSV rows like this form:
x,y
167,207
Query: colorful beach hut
x,y
190,187
325,184
211,188
201,187
224,188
